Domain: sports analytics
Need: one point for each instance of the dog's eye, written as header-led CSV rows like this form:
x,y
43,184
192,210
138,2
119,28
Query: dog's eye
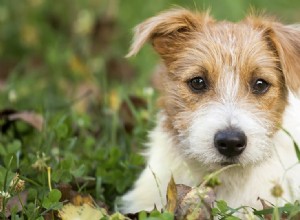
x,y
197,84
260,86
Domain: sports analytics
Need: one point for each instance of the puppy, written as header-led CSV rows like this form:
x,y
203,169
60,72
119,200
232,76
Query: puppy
x,y
228,92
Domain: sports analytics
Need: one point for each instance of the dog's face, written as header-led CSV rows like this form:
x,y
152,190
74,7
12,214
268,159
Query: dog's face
x,y
226,84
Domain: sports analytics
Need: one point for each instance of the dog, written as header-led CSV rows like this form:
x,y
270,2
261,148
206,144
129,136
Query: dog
x,y
229,95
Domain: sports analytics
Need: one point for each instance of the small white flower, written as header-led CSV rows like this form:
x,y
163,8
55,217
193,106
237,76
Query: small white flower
x,y
5,195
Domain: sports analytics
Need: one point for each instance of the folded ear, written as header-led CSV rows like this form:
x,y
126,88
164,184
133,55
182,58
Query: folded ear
x,y
167,31
285,41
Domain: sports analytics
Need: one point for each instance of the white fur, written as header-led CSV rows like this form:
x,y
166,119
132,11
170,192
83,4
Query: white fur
x,y
266,161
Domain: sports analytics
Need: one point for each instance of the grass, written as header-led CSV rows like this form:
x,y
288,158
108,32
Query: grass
x,y
64,63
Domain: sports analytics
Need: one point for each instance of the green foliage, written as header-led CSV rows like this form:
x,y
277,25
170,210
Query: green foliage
x,y
156,215
223,211
51,200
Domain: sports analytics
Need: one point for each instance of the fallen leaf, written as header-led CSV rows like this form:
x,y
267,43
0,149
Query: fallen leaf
x,y
15,203
78,205
76,198
10,115
189,203
182,191
31,118
264,203
68,195
171,196
81,199
196,204
266,206
83,212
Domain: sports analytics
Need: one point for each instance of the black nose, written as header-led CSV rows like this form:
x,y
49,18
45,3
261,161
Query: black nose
x,y
230,142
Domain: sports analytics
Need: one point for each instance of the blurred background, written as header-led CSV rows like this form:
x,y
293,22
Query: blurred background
x,y
74,42
64,60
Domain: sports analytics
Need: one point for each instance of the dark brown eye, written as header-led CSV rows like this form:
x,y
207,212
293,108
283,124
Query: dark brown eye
x,y
197,84
260,86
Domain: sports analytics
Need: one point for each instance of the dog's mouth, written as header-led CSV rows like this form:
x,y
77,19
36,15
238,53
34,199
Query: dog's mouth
x,y
230,161
226,163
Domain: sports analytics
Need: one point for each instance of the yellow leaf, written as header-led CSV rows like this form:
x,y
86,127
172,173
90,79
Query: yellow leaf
x,y
84,212
171,196
78,200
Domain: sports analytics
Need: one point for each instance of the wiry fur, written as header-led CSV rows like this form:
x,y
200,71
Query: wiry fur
x,y
230,56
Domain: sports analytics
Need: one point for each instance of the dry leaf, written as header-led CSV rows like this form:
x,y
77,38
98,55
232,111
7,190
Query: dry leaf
x,y
76,198
196,204
266,206
80,199
182,190
68,195
31,118
11,115
189,203
264,203
83,212
171,196
15,203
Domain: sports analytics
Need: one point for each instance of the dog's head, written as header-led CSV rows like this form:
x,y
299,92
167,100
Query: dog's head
x,y
226,84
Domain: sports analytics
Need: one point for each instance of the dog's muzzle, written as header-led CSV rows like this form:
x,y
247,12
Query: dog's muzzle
x,y
230,142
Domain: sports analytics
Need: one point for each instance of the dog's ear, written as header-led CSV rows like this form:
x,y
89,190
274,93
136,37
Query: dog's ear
x,y
285,41
168,32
